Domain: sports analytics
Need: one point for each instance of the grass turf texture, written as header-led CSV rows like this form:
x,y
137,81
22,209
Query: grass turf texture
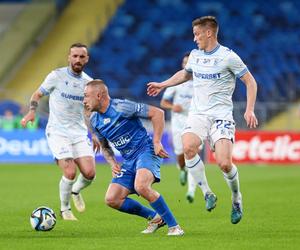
x,y
271,212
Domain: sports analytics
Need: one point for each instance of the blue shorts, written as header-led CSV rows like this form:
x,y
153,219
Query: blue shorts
x,y
146,159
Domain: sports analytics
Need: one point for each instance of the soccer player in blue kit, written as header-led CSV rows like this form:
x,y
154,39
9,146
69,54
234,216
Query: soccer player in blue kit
x,y
117,121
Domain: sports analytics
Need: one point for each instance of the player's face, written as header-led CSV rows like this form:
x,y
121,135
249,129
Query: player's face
x,y
91,99
201,36
78,58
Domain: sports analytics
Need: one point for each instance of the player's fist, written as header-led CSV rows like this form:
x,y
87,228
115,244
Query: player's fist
x,y
29,117
177,108
160,151
115,169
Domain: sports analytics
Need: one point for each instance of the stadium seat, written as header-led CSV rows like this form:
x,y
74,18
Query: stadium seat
x,y
146,40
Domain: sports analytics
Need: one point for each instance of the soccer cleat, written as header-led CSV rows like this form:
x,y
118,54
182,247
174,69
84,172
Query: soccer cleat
x,y
68,215
153,225
78,202
183,177
210,201
190,197
236,212
175,231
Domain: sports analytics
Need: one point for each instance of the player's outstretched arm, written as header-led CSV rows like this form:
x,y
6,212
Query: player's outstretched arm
x,y
109,156
251,86
181,76
157,117
34,102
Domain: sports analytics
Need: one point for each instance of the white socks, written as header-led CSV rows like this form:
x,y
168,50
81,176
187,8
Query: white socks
x,y
196,167
81,183
65,188
232,179
192,184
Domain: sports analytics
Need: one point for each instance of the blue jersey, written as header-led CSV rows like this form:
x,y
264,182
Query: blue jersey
x,y
121,126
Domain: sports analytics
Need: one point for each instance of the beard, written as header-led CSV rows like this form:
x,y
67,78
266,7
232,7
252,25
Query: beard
x,y
77,68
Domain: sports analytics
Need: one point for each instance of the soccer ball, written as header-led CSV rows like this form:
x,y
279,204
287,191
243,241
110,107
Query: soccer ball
x,y
43,219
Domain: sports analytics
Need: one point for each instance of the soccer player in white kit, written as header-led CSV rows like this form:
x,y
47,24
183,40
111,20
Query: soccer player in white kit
x,y
66,131
214,69
178,100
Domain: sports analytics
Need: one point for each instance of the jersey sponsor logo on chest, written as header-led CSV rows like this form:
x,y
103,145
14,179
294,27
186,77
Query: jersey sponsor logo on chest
x,y
207,75
121,141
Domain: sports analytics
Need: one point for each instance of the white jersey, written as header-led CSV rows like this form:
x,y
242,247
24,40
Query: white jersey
x,y
181,95
65,90
214,77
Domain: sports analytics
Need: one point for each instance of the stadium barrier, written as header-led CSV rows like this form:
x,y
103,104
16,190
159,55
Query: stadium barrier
x,y
264,147
22,146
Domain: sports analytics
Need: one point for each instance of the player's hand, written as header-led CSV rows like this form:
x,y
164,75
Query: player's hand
x,y
29,117
115,169
96,143
160,151
154,88
251,119
177,108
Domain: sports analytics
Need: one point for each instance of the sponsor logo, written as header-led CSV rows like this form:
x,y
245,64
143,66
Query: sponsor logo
x,y
121,141
207,76
280,148
72,97
28,147
264,146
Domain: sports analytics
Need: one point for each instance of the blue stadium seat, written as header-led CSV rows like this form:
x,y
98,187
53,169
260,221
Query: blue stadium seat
x,y
146,40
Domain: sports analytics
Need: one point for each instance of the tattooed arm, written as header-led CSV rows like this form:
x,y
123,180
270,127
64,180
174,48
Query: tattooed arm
x,y
109,156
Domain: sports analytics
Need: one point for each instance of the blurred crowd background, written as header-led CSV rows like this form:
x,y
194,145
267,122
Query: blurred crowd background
x,y
133,42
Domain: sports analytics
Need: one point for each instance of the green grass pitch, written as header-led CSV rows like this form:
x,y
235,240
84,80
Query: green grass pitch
x,y
271,212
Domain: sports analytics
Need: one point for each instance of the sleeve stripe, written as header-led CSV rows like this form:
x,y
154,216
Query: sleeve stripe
x,y
44,91
243,72
188,70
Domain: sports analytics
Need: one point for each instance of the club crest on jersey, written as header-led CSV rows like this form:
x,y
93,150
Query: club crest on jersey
x,y
76,84
106,121
206,60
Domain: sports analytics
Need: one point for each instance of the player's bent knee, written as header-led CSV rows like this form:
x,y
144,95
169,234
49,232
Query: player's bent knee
x,y
142,190
90,175
112,202
70,174
225,165
189,151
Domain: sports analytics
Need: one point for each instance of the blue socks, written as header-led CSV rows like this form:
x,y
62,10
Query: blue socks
x,y
161,207
131,206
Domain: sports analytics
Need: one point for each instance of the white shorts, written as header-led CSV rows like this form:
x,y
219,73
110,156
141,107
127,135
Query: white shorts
x,y
210,129
62,147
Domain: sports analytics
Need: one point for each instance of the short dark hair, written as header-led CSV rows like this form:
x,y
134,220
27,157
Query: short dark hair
x,y
96,82
207,21
79,45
